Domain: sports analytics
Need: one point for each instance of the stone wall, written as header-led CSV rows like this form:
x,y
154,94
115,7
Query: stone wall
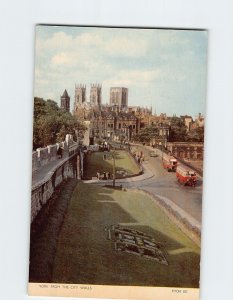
x,y
71,165
186,151
49,153
34,161
43,156
43,190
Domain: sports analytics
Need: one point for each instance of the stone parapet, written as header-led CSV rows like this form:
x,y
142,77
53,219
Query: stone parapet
x,y
42,156
52,152
34,161
43,190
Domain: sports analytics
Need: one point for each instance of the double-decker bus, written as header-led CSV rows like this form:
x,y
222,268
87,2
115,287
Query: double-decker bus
x,y
169,162
186,176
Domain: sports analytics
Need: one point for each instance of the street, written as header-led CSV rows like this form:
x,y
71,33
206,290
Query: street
x,y
165,184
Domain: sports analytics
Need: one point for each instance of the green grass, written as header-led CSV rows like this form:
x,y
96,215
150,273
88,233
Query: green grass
x,y
123,162
85,255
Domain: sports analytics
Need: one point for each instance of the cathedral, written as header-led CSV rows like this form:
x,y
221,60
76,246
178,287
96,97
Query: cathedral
x,y
116,120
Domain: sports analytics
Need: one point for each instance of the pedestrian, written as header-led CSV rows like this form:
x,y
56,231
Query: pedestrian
x,y
98,175
59,152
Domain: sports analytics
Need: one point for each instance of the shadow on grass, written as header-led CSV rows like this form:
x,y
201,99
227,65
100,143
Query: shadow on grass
x,y
85,255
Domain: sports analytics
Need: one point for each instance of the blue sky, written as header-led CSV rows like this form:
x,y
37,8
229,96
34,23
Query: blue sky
x,y
160,67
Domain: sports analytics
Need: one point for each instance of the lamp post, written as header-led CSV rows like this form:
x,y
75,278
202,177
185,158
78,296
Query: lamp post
x,y
113,170
126,128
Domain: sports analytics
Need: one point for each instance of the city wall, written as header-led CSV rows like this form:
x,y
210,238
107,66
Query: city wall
x,y
190,154
68,166
186,150
42,191
42,156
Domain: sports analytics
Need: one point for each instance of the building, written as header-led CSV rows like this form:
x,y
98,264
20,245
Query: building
x,y
198,123
161,138
115,120
200,120
115,125
80,94
65,101
126,125
188,120
96,95
143,114
119,96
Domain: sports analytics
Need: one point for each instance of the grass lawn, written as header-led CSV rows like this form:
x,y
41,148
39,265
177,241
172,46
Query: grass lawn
x,y
85,255
123,162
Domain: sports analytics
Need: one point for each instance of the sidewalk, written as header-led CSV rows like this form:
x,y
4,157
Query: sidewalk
x,y
45,172
147,174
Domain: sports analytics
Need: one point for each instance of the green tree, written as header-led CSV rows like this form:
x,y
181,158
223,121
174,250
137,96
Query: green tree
x,y
146,134
51,123
178,130
196,135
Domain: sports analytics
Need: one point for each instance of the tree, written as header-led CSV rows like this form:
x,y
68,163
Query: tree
x,y
178,132
51,123
196,135
146,134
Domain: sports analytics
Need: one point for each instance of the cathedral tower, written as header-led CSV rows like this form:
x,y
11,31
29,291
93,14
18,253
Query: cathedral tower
x,y
96,95
80,93
80,96
119,96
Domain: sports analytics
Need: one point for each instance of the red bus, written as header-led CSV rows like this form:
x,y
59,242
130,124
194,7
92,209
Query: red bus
x,y
169,162
186,176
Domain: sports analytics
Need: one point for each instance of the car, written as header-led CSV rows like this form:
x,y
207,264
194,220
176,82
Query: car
x,y
94,148
153,154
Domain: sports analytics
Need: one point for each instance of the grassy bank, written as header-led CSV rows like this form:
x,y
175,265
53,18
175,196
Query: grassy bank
x,y
85,255
45,231
123,162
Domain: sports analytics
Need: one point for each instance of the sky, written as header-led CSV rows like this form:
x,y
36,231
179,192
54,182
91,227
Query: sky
x,y
162,68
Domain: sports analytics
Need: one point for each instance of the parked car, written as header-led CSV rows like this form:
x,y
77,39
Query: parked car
x,y
153,154
94,148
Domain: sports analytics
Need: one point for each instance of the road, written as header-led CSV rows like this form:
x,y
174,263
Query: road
x,y
164,184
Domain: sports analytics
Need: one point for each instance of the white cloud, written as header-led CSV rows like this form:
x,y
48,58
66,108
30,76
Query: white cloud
x,y
62,59
134,77
123,46
151,63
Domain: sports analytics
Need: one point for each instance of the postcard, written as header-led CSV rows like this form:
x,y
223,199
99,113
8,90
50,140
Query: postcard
x,y
117,162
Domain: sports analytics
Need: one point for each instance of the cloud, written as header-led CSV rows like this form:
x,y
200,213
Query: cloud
x,y
62,59
123,46
153,64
